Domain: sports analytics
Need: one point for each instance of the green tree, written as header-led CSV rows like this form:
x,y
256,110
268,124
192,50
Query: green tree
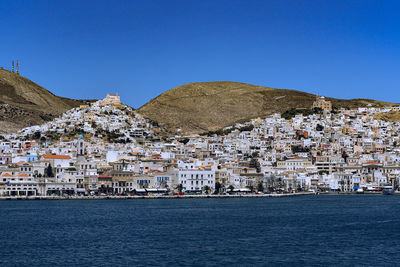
x,y
206,189
345,156
319,127
255,164
184,140
49,171
179,187
218,187
36,135
260,187
246,128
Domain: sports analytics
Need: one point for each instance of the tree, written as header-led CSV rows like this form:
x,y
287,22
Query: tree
x,y
299,189
345,156
206,189
184,140
218,187
179,187
246,128
36,135
255,164
260,187
49,171
319,127
231,187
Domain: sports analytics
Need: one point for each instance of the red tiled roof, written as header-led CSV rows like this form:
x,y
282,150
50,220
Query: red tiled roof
x,y
371,163
56,157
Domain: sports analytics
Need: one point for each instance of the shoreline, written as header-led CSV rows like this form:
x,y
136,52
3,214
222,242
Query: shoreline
x,y
152,197
183,196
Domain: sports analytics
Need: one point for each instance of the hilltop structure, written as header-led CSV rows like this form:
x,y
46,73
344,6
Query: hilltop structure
x,y
111,100
322,103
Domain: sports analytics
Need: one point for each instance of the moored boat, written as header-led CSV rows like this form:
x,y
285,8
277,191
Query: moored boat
x,y
360,191
387,189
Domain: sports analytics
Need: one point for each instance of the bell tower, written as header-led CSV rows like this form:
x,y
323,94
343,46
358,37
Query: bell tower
x,y
80,146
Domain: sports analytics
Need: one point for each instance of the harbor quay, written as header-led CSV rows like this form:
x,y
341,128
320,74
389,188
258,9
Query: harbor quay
x,y
183,196
154,196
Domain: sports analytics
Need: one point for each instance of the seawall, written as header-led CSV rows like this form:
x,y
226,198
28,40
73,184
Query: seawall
x,y
152,197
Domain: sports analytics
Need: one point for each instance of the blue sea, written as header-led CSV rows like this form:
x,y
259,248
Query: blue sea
x,y
321,230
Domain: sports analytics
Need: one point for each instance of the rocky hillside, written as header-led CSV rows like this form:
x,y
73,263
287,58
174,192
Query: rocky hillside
x,y
24,103
205,106
392,116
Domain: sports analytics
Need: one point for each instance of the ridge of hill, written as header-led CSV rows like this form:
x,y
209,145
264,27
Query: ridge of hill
x,y
208,106
24,103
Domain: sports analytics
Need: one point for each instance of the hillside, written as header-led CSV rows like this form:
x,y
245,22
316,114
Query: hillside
x,y
98,121
24,103
205,106
392,116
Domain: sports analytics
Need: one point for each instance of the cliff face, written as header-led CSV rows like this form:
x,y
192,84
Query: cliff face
x,y
205,106
24,103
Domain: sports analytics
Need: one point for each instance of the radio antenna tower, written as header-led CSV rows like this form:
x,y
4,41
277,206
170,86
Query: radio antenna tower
x,y
13,66
17,67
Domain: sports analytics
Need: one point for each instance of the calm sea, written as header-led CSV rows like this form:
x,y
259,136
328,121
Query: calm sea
x,y
309,230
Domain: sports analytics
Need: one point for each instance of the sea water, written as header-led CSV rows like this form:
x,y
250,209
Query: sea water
x,y
308,230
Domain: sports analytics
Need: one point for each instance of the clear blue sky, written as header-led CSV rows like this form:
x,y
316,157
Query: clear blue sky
x,y
85,49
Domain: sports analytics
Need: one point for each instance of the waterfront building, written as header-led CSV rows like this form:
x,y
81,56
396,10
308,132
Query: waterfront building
x,y
196,180
18,184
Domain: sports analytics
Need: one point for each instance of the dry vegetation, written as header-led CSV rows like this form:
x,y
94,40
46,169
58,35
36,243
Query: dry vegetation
x,y
24,103
208,106
391,116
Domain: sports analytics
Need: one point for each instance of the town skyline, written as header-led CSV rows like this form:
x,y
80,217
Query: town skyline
x,y
106,148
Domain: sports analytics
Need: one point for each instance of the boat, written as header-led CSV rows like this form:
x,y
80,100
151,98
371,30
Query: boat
x,y
360,191
387,189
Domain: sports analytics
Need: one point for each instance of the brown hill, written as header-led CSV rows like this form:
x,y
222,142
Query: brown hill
x,y
391,116
24,103
205,106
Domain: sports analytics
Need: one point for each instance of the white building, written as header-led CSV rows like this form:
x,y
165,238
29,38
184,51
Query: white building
x,y
196,180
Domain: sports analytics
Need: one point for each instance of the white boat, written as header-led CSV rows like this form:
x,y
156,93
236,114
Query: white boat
x,y
387,189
